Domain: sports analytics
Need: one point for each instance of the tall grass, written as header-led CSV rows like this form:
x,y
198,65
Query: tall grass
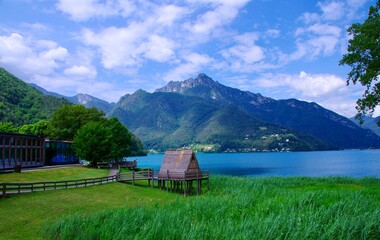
x,y
244,208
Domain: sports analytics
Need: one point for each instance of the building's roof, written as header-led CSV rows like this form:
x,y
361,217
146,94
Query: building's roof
x,y
18,135
177,163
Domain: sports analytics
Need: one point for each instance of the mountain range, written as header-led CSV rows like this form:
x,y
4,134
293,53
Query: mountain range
x,y
82,99
205,111
203,114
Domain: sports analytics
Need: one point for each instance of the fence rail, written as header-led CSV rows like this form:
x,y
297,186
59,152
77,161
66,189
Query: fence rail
x,y
183,175
18,188
133,176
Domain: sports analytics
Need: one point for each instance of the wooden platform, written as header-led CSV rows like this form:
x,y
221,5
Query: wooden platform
x,y
173,181
136,175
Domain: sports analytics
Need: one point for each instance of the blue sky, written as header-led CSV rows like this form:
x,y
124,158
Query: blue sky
x,y
108,48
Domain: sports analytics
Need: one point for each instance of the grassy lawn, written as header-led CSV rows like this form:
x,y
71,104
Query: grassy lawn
x,y
54,174
236,208
24,216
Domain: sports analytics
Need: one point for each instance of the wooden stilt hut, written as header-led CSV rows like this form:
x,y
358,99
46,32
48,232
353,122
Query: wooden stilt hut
x,y
179,170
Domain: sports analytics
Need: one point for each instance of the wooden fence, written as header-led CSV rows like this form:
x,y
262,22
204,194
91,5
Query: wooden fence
x,y
17,188
134,176
173,181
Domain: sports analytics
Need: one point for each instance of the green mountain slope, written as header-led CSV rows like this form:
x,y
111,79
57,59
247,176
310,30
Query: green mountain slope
x,y
171,120
21,104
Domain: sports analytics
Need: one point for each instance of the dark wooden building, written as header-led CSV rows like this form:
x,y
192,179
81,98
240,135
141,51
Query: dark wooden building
x,y
179,170
21,150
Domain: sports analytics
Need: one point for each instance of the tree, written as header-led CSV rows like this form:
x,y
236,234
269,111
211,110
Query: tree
x,y
106,140
68,119
120,138
92,142
7,127
363,57
39,128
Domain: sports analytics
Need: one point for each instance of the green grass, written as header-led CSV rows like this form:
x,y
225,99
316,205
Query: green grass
x,y
24,216
244,208
236,208
54,174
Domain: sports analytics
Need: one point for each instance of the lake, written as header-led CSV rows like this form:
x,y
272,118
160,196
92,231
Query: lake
x,y
351,163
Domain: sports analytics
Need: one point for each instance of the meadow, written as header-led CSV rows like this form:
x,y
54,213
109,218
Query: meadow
x,y
235,208
244,208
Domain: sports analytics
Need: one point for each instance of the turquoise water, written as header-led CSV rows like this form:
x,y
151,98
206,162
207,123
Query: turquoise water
x,y
352,163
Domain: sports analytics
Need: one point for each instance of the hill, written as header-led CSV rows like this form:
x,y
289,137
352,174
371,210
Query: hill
x,y
20,104
308,118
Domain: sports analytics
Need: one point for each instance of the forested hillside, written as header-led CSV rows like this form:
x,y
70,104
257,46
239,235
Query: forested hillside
x,y
21,104
170,120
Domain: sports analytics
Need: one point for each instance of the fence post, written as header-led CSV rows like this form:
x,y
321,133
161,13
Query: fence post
x,y
197,182
133,177
152,177
184,185
208,180
4,189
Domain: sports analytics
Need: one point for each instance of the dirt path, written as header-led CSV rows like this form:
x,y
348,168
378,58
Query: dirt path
x,y
113,171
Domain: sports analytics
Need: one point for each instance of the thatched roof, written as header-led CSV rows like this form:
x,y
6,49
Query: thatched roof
x,y
177,163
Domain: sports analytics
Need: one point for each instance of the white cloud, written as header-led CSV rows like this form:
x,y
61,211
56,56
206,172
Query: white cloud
x,y
194,62
80,71
330,91
221,13
159,49
168,14
86,9
127,48
307,85
333,10
322,33
119,47
245,55
29,56
314,41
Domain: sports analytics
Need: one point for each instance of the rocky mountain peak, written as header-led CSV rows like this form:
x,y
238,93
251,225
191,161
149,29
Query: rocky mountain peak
x,y
83,98
181,86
